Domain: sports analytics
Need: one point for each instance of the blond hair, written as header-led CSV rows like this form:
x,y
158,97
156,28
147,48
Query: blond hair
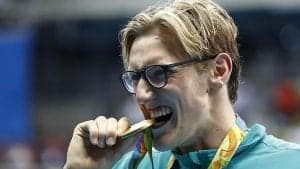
x,y
202,27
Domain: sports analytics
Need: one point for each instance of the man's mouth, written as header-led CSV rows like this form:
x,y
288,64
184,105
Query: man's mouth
x,y
161,115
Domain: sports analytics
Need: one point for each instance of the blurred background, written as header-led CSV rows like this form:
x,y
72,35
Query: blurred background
x,y
60,64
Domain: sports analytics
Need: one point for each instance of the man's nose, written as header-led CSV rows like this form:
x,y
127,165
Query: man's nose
x,y
144,92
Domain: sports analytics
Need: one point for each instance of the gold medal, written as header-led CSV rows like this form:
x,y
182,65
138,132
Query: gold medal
x,y
137,128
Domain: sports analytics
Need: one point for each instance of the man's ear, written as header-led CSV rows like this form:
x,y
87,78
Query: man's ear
x,y
222,68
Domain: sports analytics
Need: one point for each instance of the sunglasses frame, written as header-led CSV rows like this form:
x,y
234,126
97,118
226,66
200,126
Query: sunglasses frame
x,y
165,68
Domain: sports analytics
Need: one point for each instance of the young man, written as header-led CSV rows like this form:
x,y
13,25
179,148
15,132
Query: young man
x,y
182,66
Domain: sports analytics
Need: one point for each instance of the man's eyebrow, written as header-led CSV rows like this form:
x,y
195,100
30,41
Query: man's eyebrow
x,y
152,61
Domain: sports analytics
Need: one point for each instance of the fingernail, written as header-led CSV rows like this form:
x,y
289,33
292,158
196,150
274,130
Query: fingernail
x,y
110,141
95,141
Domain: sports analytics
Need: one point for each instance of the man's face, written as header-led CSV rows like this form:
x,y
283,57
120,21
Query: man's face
x,y
181,107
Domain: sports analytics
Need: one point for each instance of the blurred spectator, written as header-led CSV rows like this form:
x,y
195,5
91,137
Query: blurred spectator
x,y
53,153
286,102
286,98
19,156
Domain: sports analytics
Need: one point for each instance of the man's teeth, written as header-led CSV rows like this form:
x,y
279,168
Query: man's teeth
x,y
160,112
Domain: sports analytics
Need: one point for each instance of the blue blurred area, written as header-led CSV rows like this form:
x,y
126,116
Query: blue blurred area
x,y
16,48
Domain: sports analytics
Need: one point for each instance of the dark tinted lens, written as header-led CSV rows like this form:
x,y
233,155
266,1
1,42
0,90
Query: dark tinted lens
x,y
130,80
156,75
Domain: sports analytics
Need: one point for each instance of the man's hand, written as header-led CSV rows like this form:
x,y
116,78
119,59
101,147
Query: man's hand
x,y
95,143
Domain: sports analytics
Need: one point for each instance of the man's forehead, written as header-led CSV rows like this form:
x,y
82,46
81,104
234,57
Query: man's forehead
x,y
154,47
144,43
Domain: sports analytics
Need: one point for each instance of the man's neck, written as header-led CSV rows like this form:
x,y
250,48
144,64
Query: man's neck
x,y
222,119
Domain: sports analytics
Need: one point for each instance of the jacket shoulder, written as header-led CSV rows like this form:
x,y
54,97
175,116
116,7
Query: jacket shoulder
x,y
269,153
